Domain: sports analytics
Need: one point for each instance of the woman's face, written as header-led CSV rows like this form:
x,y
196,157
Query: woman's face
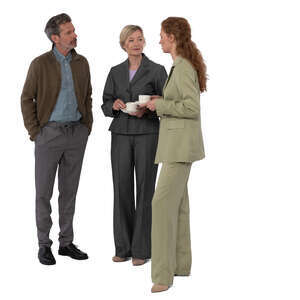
x,y
135,43
166,41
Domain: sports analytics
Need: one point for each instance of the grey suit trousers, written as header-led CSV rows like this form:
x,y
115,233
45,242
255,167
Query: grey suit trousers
x,y
132,223
58,146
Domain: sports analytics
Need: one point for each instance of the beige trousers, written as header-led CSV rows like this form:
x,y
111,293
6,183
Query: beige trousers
x,y
171,244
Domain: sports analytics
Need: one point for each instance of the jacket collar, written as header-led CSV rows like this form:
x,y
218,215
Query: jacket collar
x,y
73,52
177,60
141,71
145,60
60,57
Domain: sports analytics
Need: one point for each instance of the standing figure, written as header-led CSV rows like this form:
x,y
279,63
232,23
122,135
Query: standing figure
x,y
133,146
180,144
57,111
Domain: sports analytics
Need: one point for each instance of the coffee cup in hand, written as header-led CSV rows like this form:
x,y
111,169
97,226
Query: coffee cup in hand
x,y
131,106
144,98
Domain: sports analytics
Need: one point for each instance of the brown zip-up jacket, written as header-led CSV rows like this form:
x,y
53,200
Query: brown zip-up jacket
x,y
42,86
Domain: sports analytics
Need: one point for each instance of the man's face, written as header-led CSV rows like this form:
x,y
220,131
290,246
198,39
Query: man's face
x,y
67,39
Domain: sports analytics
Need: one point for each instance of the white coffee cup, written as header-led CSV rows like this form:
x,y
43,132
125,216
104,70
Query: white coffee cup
x,y
131,106
144,98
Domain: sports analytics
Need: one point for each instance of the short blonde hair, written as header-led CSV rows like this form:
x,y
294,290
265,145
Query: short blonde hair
x,y
127,31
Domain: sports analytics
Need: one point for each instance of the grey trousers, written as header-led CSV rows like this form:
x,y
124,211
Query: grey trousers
x,y
58,146
132,223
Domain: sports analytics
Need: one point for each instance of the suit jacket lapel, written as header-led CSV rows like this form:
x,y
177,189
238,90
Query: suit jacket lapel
x,y
125,70
141,71
177,60
167,81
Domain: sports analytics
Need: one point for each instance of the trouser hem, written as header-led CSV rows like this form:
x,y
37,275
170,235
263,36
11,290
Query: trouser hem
x,y
182,273
162,282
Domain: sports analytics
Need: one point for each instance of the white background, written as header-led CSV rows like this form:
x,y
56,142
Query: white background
x,y
244,196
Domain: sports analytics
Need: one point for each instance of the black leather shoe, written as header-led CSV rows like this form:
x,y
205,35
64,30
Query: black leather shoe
x,y
72,251
45,256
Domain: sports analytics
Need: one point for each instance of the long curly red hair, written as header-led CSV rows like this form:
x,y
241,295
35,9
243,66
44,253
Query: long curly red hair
x,y
185,47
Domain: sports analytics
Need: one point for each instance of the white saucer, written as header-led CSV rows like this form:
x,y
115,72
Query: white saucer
x,y
124,110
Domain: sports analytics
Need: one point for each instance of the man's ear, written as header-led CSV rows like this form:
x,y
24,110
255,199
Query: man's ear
x,y
55,38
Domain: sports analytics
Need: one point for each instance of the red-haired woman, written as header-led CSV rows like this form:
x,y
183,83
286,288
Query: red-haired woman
x,y
180,144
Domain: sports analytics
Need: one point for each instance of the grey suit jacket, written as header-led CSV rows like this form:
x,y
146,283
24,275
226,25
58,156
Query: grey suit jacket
x,y
148,80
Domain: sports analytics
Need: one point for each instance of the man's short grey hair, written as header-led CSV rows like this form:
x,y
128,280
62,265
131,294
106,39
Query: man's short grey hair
x,y
52,26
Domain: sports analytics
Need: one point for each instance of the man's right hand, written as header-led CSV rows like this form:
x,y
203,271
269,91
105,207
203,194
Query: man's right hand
x,y
118,104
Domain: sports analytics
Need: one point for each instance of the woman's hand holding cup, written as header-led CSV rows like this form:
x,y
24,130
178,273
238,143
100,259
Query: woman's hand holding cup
x,y
150,104
118,104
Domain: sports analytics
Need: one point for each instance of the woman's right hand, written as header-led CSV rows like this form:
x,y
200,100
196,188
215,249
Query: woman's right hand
x,y
154,97
118,104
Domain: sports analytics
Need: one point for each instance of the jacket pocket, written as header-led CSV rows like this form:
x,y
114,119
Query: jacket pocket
x,y
175,124
38,136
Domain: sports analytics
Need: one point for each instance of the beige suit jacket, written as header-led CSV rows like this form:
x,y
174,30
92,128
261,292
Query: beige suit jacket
x,y
180,135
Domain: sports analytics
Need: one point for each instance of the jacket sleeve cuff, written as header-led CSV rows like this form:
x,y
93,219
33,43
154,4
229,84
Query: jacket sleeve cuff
x,y
115,113
34,132
159,105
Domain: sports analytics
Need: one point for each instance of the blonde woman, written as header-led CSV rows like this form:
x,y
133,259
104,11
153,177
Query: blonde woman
x,y
133,145
180,144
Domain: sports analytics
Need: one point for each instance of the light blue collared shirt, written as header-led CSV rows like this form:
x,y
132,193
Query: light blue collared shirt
x,y
66,108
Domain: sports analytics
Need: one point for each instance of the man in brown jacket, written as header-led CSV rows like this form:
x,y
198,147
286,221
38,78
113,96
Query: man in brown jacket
x,y
57,111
